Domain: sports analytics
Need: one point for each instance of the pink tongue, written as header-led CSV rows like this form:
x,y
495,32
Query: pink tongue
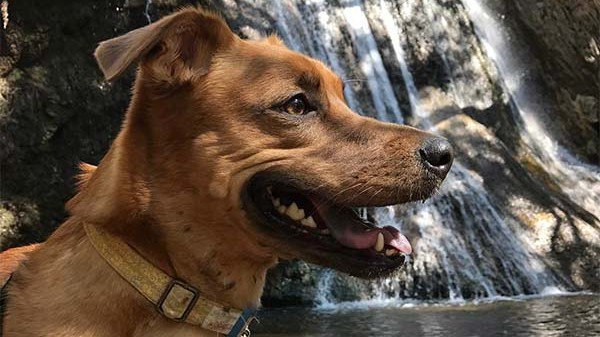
x,y
394,238
351,233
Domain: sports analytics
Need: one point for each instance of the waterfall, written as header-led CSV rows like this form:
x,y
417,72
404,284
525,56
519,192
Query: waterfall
x,y
147,11
570,174
323,298
370,62
471,243
466,245
319,42
458,238
393,30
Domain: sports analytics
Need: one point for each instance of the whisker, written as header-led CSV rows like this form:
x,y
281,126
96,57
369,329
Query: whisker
x,y
366,183
333,197
375,194
354,80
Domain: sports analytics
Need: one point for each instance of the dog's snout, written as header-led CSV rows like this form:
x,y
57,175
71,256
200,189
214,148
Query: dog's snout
x,y
437,155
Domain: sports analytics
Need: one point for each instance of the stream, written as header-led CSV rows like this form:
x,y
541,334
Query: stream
x,y
547,316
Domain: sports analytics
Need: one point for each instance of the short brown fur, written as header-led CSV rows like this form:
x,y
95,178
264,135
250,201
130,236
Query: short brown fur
x,y
201,123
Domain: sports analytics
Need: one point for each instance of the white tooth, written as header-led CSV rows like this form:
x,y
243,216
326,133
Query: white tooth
x,y
309,222
294,212
390,252
380,242
281,209
276,202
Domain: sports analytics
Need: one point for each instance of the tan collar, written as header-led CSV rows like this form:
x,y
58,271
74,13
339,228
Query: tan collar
x,y
172,298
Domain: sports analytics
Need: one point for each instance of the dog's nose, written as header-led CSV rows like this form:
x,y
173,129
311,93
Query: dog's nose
x,y
437,155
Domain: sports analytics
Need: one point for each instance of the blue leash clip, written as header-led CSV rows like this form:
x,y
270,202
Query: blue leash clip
x,y
240,328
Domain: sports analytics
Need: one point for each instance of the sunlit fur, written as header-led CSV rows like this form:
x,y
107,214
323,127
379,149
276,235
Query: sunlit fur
x,y
202,121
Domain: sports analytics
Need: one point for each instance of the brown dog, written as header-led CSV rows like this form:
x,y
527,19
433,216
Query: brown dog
x,y
233,154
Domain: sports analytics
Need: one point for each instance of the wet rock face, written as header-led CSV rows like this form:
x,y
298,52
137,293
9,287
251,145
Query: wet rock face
x,y
564,38
55,111
299,283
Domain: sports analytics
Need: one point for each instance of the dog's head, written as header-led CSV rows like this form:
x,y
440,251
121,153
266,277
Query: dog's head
x,y
253,145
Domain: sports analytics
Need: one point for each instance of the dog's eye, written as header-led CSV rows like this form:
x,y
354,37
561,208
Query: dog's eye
x,y
296,105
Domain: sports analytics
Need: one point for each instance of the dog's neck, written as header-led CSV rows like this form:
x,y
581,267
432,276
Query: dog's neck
x,y
67,280
200,245
219,275
66,277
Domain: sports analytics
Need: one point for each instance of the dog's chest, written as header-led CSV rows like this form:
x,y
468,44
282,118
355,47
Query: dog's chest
x,y
163,327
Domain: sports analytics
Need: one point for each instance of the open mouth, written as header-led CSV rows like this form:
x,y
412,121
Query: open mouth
x,y
325,232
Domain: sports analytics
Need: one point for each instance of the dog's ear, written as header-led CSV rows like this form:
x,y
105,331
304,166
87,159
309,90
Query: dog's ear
x,y
179,45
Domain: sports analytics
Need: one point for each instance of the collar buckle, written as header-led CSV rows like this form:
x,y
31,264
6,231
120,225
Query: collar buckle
x,y
177,301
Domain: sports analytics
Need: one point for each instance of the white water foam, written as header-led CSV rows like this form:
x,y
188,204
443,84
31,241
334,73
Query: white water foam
x,y
323,298
415,304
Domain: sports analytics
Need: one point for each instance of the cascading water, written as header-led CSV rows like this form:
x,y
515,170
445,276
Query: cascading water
x,y
465,244
317,42
469,245
147,11
370,63
569,173
468,232
393,30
